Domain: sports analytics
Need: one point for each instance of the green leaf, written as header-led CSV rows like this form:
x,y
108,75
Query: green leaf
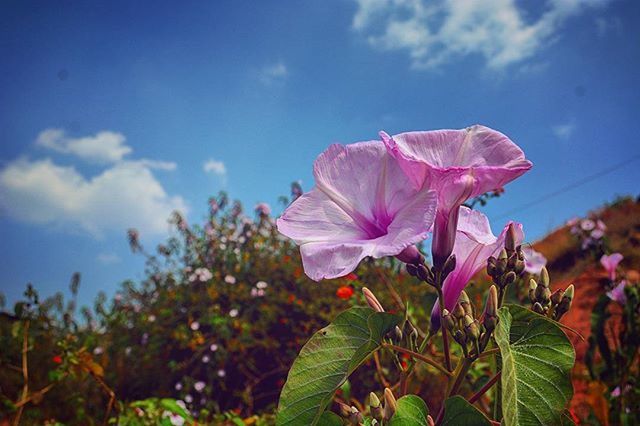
x,y
537,359
327,359
329,418
172,406
411,411
457,411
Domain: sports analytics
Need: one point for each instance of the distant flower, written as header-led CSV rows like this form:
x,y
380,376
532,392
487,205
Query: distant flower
x,y
610,263
616,392
151,318
188,399
263,209
474,244
57,359
459,165
206,359
597,234
195,326
230,279
261,284
573,221
127,350
601,225
98,350
176,420
533,261
345,292
362,205
178,386
213,347
233,313
199,386
351,277
587,225
617,294
222,373
145,338
201,274
257,292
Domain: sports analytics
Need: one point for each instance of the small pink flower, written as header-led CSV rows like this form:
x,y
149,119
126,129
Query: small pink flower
x,y
474,244
233,313
213,347
597,234
222,373
263,209
617,294
363,205
230,279
587,225
459,164
616,392
199,386
610,263
533,261
195,326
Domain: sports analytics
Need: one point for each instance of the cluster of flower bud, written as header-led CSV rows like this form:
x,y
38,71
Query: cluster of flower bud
x,y
510,264
552,304
381,412
432,276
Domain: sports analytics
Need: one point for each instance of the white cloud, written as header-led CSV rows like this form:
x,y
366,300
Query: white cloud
x,y
108,258
216,167
103,147
564,131
434,33
273,73
125,194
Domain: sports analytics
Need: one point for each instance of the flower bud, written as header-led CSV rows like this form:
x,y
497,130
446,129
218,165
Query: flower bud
x,y
355,416
397,334
537,307
458,311
491,266
543,295
501,262
345,410
471,328
460,337
511,239
448,320
424,273
430,421
568,293
466,303
375,407
556,296
509,278
544,277
411,255
412,270
490,310
449,266
390,404
519,268
533,285
372,300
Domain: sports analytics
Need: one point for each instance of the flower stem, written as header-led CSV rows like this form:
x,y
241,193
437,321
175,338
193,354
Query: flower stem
x,y
445,339
485,388
421,357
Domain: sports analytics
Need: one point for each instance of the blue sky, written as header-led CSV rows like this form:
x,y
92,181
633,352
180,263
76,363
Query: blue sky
x,y
114,113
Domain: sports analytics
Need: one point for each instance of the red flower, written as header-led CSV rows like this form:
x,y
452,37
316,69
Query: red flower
x,y
57,359
350,277
345,292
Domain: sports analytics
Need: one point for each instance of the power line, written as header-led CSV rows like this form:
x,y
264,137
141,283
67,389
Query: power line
x,y
571,186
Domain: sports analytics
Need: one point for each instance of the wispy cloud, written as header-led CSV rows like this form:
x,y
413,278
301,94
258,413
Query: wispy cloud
x,y
435,33
606,25
103,147
124,194
564,131
273,73
214,166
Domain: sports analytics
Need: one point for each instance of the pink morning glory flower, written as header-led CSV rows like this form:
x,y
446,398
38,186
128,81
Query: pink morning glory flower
x,y
617,294
459,164
533,261
363,205
474,244
610,263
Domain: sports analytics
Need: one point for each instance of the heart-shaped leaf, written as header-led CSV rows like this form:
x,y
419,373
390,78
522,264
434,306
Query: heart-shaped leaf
x,y
327,359
411,411
457,411
537,359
